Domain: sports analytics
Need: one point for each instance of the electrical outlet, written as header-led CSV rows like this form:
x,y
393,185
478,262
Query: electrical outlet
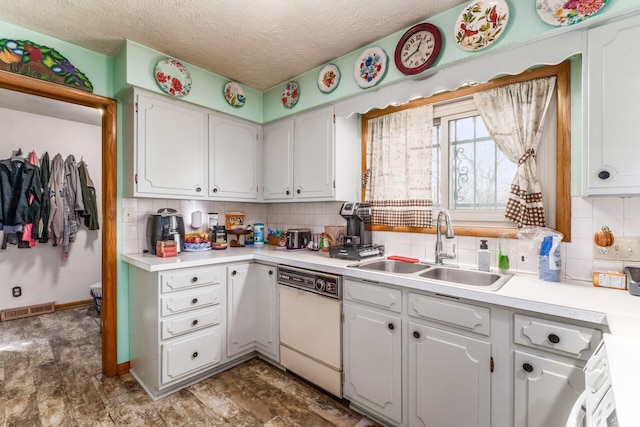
x,y
16,291
623,249
127,215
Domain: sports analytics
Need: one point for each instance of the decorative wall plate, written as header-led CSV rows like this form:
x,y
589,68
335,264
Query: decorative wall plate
x,y
290,94
328,78
567,12
481,23
234,94
370,67
172,77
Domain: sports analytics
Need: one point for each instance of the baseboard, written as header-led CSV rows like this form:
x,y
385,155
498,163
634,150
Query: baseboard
x,y
74,304
123,368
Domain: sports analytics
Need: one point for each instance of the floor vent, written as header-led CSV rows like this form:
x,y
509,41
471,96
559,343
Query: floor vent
x,y
32,310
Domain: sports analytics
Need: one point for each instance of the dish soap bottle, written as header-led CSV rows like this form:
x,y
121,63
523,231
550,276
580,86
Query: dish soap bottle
x,y
484,258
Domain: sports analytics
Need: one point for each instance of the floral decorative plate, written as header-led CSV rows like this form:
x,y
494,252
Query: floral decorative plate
x,y
172,77
481,23
234,94
328,78
567,12
290,94
370,67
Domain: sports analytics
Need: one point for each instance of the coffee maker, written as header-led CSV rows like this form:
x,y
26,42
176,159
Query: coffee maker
x,y
357,242
167,224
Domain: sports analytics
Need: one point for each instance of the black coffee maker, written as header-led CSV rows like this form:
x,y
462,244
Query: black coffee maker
x,y
357,242
167,224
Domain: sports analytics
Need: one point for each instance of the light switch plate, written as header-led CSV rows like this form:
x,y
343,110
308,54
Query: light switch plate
x,y
623,249
127,215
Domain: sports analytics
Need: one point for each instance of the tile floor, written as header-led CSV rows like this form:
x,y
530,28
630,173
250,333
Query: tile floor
x,y
50,376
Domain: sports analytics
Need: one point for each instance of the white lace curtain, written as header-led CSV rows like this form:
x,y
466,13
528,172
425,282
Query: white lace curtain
x,y
514,115
398,167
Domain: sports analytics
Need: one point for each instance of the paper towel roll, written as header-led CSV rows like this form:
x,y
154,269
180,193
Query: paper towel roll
x,y
196,219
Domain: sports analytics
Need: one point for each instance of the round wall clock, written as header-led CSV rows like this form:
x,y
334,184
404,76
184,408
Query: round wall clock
x,y
370,67
418,48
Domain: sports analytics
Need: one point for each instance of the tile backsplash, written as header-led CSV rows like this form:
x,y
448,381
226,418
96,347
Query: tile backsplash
x,y
621,215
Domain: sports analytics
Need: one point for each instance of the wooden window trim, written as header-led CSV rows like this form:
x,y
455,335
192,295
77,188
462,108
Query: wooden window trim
x,y
563,148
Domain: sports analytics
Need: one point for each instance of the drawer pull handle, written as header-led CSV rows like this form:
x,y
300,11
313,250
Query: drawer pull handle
x,y
195,354
194,279
527,367
554,338
233,273
288,192
270,272
194,323
298,191
198,189
416,334
391,326
194,301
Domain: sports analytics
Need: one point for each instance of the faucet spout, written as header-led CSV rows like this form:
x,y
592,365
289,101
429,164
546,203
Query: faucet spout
x,y
449,234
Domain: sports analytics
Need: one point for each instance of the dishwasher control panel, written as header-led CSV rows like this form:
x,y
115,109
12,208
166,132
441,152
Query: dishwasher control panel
x,y
309,280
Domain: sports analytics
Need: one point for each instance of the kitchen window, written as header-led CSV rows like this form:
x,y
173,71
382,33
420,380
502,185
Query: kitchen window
x,y
471,177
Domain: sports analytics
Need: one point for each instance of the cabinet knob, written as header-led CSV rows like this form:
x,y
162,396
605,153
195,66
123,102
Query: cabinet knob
x,y
194,279
270,272
527,367
604,174
391,326
554,338
198,189
194,323
195,354
215,190
298,191
288,192
194,301
233,273
416,334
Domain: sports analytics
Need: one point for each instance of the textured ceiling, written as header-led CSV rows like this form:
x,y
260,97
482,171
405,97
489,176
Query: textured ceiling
x,y
259,43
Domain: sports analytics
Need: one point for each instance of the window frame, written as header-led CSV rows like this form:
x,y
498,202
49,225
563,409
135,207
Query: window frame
x,y
562,72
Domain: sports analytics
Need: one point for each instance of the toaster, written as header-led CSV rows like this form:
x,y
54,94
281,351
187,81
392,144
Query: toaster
x,y
298,238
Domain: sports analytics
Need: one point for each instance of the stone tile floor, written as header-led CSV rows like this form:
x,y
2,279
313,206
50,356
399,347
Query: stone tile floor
x,y
50,375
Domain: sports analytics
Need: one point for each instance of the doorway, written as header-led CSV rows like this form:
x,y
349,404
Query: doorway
x,y
108,108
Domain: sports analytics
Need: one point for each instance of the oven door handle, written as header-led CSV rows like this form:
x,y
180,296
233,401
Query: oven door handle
x,y
578,411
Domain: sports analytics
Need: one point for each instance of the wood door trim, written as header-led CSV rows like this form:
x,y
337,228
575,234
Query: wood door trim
x,y
109,108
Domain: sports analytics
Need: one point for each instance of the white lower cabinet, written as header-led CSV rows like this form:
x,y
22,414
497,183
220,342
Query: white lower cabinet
x,y
252,309
372,361
449,379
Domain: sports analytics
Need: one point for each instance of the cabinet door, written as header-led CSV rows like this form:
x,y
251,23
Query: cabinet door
x,y
313,155
612,110
277,142
233,158
449,379
266,309
544,390
372,361
171,148
241,309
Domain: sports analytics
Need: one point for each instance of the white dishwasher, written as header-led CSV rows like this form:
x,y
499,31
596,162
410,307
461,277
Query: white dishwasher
x,y
311,326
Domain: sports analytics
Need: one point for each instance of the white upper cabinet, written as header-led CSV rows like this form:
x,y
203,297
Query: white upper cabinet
x,y
166,153
611,109
233,158
312,158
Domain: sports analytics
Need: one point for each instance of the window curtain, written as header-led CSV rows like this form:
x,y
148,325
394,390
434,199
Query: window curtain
x,y
398,177
514,115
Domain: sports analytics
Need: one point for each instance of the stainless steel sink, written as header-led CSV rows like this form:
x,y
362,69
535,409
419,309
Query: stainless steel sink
x,y
389,266
489,281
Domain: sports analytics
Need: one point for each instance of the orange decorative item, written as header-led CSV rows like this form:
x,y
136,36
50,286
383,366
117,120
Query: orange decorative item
x,y
604,237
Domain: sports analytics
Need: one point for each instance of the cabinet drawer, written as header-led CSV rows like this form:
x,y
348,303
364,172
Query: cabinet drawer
x,y
193,321
183,301
570,340
461,315
189,354
378,296
189,278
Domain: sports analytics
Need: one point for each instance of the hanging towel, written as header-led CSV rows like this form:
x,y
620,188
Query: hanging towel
x,y
90,213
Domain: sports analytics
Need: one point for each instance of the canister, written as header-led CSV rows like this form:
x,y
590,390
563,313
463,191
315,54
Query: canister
x,y
219,237
258,234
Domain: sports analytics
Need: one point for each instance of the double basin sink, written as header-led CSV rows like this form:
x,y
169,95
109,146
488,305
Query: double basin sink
x,y
431,272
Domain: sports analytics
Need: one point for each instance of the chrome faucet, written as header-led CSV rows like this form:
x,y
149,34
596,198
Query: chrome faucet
x,y
448,234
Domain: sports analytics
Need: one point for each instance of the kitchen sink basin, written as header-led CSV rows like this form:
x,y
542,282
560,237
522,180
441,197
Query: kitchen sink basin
x,y
457,276
390,266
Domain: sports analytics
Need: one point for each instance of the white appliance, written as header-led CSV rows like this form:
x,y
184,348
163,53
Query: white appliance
x,y
612,379
310,326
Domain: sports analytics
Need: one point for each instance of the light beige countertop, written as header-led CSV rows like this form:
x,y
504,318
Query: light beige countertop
x,y
569,299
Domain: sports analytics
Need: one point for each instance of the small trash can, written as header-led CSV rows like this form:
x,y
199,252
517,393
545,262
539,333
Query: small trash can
x,y
95,291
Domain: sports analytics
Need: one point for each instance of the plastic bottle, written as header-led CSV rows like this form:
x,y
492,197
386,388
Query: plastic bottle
x,y
484,258
258,234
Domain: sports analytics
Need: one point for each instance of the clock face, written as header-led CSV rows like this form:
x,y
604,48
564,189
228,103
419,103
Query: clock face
x,y
418,48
